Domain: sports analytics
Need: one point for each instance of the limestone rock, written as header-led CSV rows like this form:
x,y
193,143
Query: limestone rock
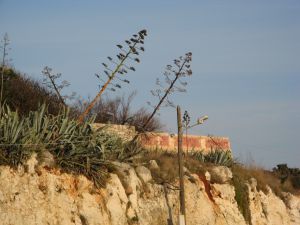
x,y
52,197
220,174
267,208
143,173
153,165
224,196
31,164
90,212
130,182
293,206
46,159
253,184
207,176
185,170
121,166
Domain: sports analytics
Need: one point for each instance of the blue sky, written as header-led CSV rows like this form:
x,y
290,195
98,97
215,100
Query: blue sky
x,y
246,60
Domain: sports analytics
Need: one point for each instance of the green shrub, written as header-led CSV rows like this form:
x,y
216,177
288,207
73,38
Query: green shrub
x,y
218,157
24,94
241,196
288,175
296,182
74,146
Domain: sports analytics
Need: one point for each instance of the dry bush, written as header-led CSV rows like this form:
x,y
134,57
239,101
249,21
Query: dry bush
x,y
140,117
264,178
194,166
288,175
25,94
168,164
119,111
116,110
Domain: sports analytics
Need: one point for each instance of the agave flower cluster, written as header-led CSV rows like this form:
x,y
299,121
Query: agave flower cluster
x,y
186,119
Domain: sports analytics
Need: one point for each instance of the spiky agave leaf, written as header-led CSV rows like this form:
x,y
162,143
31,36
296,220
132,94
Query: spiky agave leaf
x,y
218,157
72,144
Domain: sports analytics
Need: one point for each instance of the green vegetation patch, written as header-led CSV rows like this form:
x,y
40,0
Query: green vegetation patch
x,y
74,146
241,196
218,157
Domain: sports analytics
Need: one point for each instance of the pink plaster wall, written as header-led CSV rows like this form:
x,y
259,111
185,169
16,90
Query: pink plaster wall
x,y
165,141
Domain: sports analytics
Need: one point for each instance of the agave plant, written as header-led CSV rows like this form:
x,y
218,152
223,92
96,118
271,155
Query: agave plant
x,y
79,149
11,136
74,146
218,157
11,127
37,128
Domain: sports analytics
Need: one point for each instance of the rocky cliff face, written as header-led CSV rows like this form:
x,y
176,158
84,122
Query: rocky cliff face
x,y
34,195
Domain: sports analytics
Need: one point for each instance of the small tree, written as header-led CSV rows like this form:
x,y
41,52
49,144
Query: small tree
x,y
118,67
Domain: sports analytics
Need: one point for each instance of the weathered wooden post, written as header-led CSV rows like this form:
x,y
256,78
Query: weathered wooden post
x,y
181,173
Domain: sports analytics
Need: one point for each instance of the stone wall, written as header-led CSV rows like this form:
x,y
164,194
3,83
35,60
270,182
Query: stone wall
x,y
166,141
124,131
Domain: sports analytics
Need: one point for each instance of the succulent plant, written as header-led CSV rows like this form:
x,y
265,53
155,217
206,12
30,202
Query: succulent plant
x,y
218,157
74,146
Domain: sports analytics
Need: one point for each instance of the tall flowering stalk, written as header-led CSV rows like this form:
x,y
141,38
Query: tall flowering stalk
x,y
116,68
173,82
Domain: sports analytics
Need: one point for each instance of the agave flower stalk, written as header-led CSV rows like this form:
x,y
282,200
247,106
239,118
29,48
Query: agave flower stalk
x,y
134,46
50,82
171,77
186,121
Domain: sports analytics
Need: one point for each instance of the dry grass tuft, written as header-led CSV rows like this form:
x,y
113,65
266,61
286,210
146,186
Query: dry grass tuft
x,y
168,164
264,178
